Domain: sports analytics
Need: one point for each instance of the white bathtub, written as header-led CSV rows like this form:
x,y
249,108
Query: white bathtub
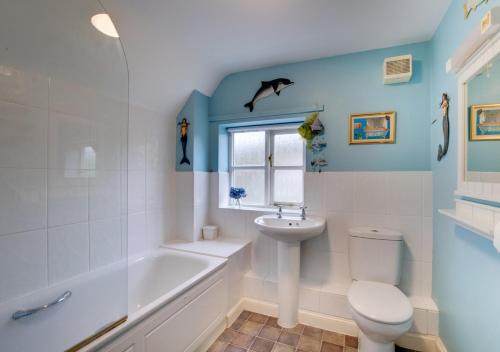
x,y
164,285
162,275
168,291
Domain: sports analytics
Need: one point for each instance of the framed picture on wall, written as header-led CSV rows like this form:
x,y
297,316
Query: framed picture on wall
x,y
372,128
484,122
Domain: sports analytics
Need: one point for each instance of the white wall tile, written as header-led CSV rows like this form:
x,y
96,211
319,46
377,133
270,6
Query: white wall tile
x,y
23,200
334,304
427,239
23,263
433,323
160,149
70,146
22,87
269,291
75,99
411,278
314,191
405,194
411,227
339,191
158,229
309,298
371,193
338,225
137,234
427,279
184,182
419,321
68,194
105,194
105,242
106,137
200,219
262,251
137,191
201,188
137,139
68,251
315,268
427,194
23,136
185,224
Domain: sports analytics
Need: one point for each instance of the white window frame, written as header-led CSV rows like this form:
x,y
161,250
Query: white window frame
x,y
270,132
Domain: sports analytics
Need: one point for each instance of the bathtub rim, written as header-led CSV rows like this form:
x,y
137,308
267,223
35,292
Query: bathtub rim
x,y
216,266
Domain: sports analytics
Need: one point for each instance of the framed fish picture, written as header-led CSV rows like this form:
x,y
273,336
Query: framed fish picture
x,y
372,128
484,122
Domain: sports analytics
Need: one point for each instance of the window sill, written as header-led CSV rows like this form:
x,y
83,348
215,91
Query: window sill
x,y
260,209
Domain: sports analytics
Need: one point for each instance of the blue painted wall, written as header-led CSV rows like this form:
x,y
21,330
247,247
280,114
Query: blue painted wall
x,y
344,84
196,112
484,89
465,266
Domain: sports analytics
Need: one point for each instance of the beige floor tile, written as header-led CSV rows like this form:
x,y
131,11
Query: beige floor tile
x,y
351,341
242,340
261,345
334,337
315,333
258,318
330,347
309,344
289,339
279,347
251,328
270,333
298,329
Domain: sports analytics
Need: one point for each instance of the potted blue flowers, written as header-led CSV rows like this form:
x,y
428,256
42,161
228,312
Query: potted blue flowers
x,y
237,193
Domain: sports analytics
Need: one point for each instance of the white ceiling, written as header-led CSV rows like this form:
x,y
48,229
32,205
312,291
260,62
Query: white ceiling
x,y
175,46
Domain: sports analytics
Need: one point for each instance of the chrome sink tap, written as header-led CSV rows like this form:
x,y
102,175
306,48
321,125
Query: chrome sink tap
x,y
303,212
279,214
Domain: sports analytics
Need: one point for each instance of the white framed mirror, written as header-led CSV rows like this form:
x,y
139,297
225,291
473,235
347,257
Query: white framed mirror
x,y
479,124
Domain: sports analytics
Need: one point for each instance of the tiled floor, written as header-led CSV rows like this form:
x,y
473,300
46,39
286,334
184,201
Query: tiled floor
x,y
253,332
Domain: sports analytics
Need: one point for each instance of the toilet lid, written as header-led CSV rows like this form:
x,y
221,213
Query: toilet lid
x,y
380,302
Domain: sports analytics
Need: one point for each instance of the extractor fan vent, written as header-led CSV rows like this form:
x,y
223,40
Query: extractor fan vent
x,y
398,69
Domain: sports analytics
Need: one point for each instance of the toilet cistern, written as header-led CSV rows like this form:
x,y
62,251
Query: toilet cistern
x,y
289,231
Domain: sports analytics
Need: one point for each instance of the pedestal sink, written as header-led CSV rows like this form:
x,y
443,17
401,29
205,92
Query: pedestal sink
x,y
289,232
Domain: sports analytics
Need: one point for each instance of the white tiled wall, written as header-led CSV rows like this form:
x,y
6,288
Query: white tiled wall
x,y
63,180
396,200
192,202
151,179
62,150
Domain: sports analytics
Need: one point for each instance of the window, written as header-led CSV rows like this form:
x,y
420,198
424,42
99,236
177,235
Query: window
x,y
269,163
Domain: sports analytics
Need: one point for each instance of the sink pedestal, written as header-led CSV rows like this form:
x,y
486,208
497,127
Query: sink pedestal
x,y
288,283
289,232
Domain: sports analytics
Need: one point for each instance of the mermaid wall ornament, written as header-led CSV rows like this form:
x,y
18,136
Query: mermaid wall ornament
x,y
184,125
445,105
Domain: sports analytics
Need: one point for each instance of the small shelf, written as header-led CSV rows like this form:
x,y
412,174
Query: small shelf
x,y
467,224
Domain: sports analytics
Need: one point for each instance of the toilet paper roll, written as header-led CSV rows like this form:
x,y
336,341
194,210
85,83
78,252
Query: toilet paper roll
x,y
496,237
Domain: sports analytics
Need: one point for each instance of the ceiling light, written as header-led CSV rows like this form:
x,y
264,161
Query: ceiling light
x,y
102,22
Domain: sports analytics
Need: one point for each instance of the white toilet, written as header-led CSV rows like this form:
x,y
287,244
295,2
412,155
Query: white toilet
x,y
382,312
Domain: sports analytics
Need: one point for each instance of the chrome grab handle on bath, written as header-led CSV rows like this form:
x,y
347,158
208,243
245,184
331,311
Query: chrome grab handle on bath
x,y
28,312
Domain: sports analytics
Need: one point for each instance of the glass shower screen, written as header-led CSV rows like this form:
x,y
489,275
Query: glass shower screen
x,y
63,175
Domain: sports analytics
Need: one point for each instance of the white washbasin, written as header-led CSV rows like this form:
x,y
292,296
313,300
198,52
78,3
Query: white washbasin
x,y
289,228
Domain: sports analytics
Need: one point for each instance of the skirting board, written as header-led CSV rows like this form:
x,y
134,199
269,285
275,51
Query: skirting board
x,y
424,343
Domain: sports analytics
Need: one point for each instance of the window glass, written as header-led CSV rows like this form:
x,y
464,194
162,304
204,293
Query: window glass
x,y
288,150
288,186
249,148
253,180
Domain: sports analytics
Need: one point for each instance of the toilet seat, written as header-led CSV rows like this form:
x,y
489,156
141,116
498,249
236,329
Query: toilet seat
x,y
379,302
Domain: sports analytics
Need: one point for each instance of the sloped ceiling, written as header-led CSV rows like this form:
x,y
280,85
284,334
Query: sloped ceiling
x,y
175,46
